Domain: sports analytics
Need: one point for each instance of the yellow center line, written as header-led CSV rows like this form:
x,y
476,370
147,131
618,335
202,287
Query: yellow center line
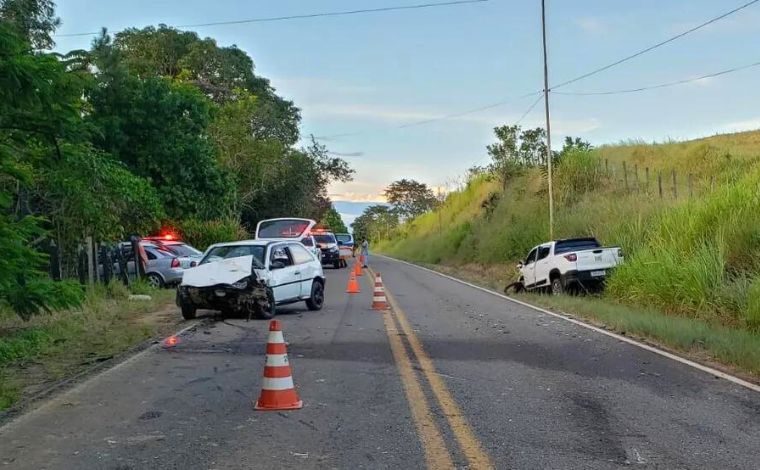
x,y
436,454
464,434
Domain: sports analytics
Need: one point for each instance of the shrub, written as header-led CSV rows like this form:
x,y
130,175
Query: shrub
x,y
202,233
752,312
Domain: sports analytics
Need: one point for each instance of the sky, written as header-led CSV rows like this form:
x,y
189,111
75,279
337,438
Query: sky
x,y
367,75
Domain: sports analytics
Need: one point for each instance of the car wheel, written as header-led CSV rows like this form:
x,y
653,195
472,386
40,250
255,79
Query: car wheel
x,y
188,311
155,281
317,299
557,288
336,264
271,310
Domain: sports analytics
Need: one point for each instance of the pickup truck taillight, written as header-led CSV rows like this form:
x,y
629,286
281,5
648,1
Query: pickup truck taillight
x,y
572,257
175,263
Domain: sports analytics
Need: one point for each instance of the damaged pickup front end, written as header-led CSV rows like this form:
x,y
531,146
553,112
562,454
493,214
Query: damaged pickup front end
x,y
232,286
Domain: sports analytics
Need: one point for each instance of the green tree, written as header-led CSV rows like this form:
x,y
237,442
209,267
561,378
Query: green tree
x,y
410,198
375,222
333,221
159,129
33,20
35,110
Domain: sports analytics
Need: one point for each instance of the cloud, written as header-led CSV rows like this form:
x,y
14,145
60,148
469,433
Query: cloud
x,y
592,25
349,154
398,115
318,86
358,197
738,126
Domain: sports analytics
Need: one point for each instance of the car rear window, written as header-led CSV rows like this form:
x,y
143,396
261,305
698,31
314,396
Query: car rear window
x,y
180,249
576,244
282,228
343,238
325,238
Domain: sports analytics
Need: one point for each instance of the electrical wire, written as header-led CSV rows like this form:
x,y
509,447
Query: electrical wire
x,y
655,46
661,85
309,15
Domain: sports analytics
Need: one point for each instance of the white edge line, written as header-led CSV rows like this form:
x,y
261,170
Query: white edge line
x,y
51,400
674,357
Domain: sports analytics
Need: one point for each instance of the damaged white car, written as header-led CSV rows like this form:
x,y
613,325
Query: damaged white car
x,y
252,278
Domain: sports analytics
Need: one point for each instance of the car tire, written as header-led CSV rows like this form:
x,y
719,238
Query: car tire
x,y
155,281
336,264
188,311
317,298
269,313
556,287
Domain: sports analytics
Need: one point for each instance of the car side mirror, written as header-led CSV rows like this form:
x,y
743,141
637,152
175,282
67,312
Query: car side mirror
x,y
276,265
520,265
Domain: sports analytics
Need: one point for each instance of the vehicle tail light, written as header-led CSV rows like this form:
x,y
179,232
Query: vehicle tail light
x,y
572,257
620,252
175,263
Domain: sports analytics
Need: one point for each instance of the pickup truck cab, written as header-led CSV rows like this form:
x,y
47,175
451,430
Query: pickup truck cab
x,y
570,264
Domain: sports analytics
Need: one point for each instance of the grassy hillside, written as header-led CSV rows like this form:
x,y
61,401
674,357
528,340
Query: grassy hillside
x,y
693,251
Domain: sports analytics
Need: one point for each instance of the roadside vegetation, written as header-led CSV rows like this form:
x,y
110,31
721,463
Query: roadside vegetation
x,y
147,129
692,251
36,353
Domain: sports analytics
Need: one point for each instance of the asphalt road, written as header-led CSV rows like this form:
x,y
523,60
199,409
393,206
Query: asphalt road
x,y
452,377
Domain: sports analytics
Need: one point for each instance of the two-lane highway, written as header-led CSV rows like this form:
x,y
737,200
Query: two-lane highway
x,y
451,377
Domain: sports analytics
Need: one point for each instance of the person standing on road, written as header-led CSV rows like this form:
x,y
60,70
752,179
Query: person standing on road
x,y
364,252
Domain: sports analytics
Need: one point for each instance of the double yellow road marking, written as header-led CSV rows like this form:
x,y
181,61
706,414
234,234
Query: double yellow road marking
x,y
436,452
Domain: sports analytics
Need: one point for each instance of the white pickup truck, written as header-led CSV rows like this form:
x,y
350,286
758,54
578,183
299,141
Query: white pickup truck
x,y
571,264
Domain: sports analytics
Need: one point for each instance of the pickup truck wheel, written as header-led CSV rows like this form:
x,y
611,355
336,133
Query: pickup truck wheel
x,y
271,310
557,287
188,311
317,299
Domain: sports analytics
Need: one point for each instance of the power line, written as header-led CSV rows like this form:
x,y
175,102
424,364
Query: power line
x,y
655,46
527,111
661,85
309,15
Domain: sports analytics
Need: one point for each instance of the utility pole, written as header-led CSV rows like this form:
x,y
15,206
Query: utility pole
x,y
548,126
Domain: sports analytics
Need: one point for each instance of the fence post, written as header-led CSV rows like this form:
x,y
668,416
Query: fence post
x,y
646,185
607,167
90,261
659,181
691,186
636,176
675,188
625,176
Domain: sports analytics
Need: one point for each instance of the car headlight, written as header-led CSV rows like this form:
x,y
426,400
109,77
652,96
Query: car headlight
x,y
334,249
240,284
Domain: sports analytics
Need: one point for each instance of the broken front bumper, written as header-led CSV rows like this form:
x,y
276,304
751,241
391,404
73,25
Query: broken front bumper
x,y
223,296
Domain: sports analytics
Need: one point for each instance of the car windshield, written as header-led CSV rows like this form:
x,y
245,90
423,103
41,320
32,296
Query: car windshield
x,y
181,249
325,238
578,244
345,238
290,228
219,253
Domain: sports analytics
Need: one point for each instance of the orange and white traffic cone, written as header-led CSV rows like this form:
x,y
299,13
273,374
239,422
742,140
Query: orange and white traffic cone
x,y
379,301
358,267
277,390
353,284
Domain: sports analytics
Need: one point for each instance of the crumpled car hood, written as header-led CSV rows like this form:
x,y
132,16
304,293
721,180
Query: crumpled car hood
x,y
227,271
